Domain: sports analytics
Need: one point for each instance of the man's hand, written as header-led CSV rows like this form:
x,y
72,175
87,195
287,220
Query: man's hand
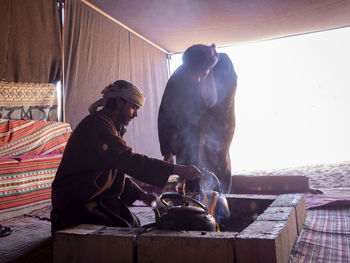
x,y
189,172
169,158
147,198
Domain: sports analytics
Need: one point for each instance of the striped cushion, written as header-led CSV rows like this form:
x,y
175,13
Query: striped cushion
x,y
28,137
26,181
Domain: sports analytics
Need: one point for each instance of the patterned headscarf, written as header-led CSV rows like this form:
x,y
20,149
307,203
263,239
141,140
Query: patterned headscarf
x,y
123,89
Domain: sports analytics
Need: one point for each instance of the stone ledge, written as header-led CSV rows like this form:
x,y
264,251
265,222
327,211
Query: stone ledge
x,y
269,238
186,246
293,200
269,184
94,243
266,241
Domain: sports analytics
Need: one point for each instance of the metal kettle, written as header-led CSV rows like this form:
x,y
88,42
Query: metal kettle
x,y
207,189
182,213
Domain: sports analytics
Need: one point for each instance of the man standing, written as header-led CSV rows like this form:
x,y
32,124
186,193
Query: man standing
x,y
91,186
196,120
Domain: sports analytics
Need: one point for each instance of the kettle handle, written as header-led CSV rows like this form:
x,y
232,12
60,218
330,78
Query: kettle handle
x,y
155,210
177,196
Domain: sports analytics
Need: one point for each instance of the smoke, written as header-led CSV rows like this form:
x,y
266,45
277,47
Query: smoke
x,y
197,117
211,196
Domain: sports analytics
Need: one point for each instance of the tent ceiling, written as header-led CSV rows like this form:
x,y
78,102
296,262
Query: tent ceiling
x,y
174,25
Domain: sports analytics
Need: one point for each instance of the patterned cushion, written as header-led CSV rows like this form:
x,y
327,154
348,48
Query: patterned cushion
x,y
25,182
28,137
35,101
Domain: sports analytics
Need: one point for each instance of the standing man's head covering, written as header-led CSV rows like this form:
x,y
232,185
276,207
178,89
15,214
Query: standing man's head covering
x,y
123,89
201,57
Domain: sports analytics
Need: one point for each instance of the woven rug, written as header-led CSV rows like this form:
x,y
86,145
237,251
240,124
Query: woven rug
x,y
337,197
30,240
325,237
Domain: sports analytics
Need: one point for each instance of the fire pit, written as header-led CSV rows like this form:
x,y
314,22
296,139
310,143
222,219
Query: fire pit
x,y
261,228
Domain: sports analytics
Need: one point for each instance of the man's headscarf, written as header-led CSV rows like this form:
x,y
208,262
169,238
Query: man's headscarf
x,y
123,89
201,57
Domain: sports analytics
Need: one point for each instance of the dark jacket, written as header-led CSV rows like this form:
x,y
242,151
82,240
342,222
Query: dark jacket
x,y
91,186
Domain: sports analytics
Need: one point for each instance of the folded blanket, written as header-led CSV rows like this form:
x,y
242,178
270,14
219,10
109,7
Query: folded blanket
x,y
340,198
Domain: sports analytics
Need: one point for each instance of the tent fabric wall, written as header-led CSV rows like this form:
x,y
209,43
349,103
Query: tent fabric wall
x,y
176,25
149,70
30,46
97,52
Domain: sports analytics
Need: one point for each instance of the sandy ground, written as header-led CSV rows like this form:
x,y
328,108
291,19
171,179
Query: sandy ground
x,y
321,176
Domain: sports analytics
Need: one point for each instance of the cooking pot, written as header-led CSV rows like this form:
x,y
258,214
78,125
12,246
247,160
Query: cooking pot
x,y
182,213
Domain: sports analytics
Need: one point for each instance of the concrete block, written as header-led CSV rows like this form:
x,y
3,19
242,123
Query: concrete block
x,y
288,200
286,214
269,184
266,241
294,200
93,243
185,246
277,214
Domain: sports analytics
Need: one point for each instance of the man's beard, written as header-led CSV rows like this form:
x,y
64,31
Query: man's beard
x,y
124,120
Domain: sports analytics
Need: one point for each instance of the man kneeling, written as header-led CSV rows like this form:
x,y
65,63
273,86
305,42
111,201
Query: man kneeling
x,y
91,185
